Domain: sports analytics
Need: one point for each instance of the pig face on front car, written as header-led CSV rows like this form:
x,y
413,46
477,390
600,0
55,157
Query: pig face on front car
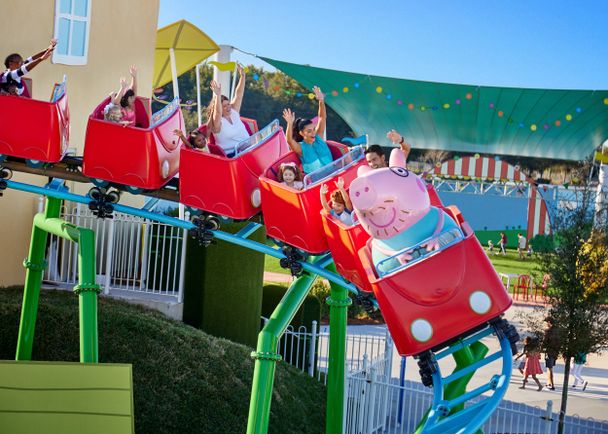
x,y
389,200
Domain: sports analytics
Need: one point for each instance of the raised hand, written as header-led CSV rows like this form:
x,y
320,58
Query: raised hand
x,y
318,94
324,189
216,88
405,257
432,245
240,70
289,116
394,136
123,83
133,70
340,183
53,43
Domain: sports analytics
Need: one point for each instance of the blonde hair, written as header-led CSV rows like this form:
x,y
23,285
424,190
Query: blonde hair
x,y
113,114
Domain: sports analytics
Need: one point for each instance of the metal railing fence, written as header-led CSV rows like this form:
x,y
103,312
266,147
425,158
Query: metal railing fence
x,y
133,254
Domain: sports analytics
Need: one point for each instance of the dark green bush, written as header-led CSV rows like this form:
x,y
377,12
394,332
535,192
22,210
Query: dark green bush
x,y
184,380
542,243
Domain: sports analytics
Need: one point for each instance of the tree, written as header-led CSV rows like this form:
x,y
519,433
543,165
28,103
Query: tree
x,y
266,95
578,292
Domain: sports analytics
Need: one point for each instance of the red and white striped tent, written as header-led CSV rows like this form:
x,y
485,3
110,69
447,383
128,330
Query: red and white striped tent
x,y
482,167
490,169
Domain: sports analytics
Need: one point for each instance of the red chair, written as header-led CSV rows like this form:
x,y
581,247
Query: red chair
x,y
542,288
522,286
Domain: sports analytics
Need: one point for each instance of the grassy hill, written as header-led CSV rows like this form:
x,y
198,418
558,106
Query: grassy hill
x,y
185,381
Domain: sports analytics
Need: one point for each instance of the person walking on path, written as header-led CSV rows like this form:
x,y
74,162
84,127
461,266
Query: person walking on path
x,y
532,367
521,246
503,243
551,345
580,360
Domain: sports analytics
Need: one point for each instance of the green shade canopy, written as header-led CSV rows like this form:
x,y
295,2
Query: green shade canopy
x,y
543,123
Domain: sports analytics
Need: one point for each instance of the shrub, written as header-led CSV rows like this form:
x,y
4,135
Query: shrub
x,y
184,381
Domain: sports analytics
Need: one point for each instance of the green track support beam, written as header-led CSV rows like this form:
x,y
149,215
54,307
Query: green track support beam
x,y
87,290
463,358
338,302
266,355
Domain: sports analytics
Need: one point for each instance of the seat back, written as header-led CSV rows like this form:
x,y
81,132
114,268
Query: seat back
x,y
523,281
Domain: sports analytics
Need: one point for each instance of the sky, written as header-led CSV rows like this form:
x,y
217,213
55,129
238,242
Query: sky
x,y
518,43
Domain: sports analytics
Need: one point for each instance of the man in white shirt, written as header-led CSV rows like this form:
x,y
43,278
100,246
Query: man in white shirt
x,y
521,246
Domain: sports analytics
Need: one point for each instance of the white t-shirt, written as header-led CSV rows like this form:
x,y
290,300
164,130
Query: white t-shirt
x,y
231,134
522,242
298,185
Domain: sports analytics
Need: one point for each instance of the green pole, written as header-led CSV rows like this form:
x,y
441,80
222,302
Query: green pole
x,y
338,302
35,265
463,357
86,289
87,292
266,355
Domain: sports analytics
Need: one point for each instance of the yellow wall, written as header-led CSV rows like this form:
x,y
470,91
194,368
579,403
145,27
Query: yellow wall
x,y
122,33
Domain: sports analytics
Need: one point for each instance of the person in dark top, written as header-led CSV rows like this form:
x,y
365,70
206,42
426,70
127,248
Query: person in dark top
x,y
17,67
503,243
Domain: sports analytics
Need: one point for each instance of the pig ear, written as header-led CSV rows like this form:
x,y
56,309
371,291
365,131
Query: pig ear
x,y
397,158
363,170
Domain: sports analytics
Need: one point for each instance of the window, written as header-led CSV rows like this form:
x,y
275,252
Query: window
x,y
72,24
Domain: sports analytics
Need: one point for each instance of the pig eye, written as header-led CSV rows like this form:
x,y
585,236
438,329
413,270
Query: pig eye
x,y
400,171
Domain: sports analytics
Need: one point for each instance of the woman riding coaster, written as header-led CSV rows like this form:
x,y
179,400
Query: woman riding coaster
x,y
225,121
305,139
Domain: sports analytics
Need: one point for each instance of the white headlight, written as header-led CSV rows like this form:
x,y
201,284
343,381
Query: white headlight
x,y
165,169
421,330
256,198
480,302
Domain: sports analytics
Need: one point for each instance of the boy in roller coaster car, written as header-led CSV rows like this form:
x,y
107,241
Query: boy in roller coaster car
x,y
341,206
304,138
196,139
393,206
16,67
290,175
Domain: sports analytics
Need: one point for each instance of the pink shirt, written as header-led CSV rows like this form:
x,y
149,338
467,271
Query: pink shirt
x,y
128,115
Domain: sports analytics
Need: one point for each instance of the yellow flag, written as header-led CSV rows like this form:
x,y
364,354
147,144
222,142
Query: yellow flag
x,y
228,66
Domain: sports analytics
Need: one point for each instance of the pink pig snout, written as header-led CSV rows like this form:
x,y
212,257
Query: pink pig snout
x,y
362,194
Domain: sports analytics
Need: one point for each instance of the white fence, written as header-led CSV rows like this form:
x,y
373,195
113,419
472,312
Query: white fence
x,y
133,254
309,350
375,403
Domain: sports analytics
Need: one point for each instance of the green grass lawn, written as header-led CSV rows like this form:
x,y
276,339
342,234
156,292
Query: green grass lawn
x,y
510,264
272,265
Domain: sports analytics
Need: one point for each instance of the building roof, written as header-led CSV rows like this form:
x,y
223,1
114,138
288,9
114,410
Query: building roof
x,y
542,123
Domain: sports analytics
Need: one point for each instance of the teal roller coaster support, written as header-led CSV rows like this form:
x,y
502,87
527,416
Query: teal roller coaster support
x,y
87,290
463,357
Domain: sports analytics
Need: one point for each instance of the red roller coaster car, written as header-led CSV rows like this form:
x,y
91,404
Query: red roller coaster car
x,y
230,186
143,157
443,294
345,242
293,216
37,131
